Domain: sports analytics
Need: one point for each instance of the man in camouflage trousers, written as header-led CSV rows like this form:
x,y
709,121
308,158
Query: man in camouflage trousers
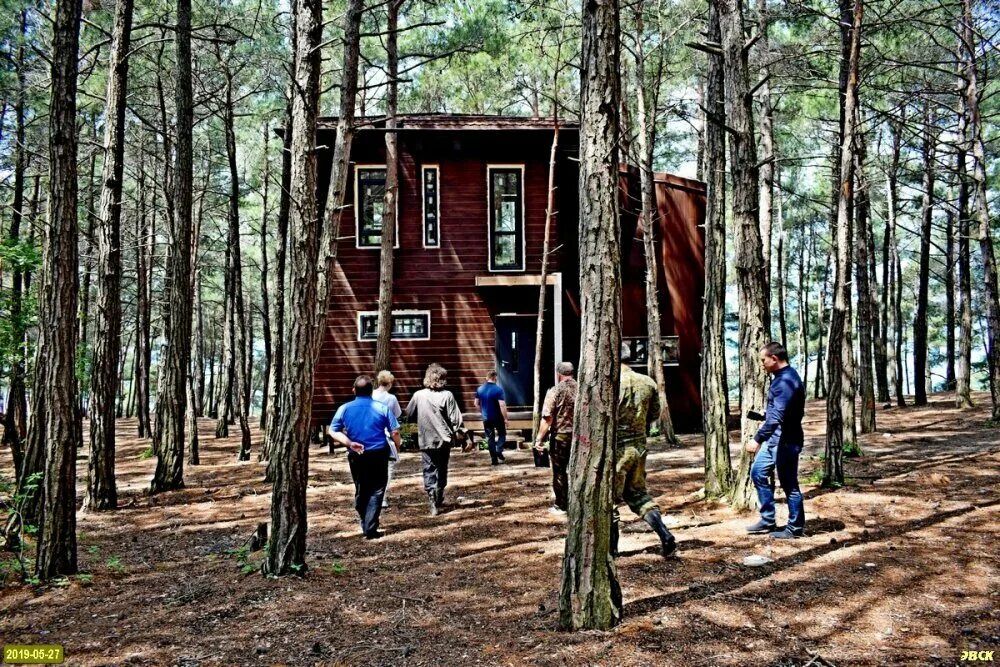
x,y
638,407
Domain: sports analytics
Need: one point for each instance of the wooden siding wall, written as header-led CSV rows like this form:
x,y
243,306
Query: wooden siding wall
x,y
439,280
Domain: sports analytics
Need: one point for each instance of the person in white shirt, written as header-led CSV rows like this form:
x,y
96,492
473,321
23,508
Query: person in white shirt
x,y
382,395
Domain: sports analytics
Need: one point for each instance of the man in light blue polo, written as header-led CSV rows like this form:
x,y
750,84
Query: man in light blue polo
x,y
361,426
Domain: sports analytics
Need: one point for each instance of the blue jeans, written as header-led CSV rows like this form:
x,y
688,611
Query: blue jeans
x,y
784,458
496,436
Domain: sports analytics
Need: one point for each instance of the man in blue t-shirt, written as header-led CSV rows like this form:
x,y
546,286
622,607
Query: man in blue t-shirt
x,y
361,426
493,407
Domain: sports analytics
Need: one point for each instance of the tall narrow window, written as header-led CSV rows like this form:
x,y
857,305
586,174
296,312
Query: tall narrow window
x,y
432,207
506,207
369,196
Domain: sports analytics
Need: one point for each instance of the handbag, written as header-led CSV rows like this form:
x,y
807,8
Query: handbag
x,y
541,457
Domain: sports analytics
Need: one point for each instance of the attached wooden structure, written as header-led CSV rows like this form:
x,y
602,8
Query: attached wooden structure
x,y
467,272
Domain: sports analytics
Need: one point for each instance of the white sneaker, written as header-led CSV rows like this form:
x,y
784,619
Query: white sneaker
x,y
556,510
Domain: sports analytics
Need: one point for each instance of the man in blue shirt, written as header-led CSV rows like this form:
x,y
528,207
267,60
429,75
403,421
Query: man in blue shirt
x,y
778,443
361,426
492,405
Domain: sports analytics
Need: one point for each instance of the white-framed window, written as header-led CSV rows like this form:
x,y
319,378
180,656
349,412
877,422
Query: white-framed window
x,y
505,216
430,180
369,200
406,325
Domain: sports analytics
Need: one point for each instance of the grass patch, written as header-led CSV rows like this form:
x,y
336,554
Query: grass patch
x,y
146,453
114,563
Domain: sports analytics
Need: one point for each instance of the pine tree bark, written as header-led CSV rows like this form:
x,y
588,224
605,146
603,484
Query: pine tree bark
x,y
143,263
840,366
238,302
102,493
278,321
950,261
992,291
536,412
168,441
16,410
819,388
265,291
866,303
55,420
805,270
83,393
751,279
650,226
767,163
963,369
384,343
714,384
227,367
782,324
923,290
310,248
590,596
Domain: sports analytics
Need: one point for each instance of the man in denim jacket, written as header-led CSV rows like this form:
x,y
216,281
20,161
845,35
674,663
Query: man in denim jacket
x,y
778,443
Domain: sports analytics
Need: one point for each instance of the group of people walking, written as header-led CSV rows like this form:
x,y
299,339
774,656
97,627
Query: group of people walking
x,y
369,427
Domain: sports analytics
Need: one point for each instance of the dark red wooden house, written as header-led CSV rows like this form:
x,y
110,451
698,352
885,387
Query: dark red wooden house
x,y
471,219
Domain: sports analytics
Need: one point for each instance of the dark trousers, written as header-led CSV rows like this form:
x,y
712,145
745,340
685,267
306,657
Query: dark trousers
x,y
559,456
496,437
436,470
785,460
370,472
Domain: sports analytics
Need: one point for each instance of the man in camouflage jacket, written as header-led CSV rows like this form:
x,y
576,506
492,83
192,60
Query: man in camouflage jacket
x,y
638,407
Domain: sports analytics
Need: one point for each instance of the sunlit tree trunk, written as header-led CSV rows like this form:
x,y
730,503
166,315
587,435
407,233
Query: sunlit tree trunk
x,y
590,596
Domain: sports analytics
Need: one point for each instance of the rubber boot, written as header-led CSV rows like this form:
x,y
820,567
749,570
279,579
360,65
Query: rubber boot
x,y
432,497
655,521
615,524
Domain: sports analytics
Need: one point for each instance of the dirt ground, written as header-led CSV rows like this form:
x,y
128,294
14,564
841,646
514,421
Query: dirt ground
x,y
900,567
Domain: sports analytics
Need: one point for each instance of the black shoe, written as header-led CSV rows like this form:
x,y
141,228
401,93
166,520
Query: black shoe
x,y
669,547
667,540
786,533
501,459
374,535
761,527
494,461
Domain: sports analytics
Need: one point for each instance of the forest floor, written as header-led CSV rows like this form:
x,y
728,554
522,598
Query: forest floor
x,y
899,567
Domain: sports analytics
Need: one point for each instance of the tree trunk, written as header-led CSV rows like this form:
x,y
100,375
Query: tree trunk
x,y
143,263
55,420
866,304
278,321
782,325
102,494
590,596
963,370
751,276
650,225
536,412
238,303
819,389
950,382
767,169
992,291
227,367
923,290
264,282
383,344
714,385
83,394
805,270
168,442
16,411
311,247
840,367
